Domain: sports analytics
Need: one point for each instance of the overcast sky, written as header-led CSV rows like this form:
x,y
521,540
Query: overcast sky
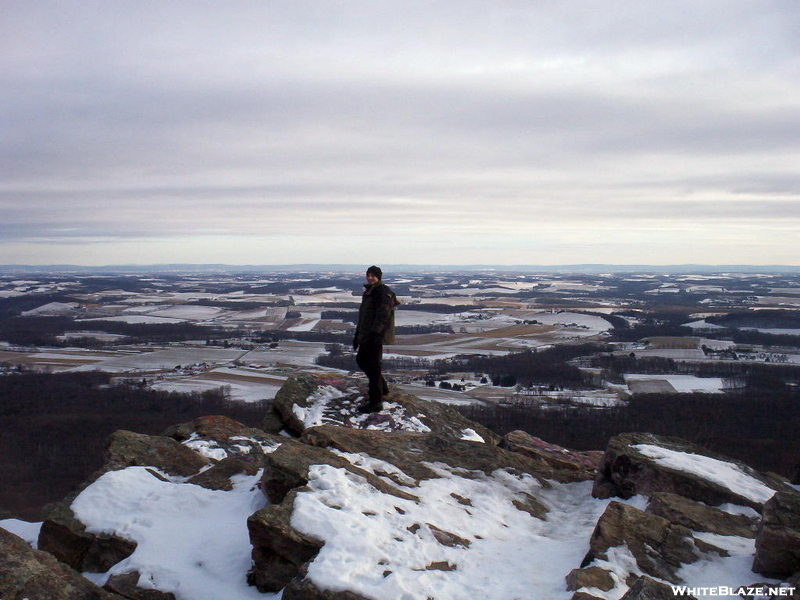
x,y
436,131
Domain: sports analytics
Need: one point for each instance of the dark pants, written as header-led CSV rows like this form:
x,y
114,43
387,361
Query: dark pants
x,y
370,360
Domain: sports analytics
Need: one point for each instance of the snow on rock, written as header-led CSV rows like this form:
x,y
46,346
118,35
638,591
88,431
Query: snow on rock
x,y
312,400
381,546
726,474
406,505
190,541
643,463
24,529
472,436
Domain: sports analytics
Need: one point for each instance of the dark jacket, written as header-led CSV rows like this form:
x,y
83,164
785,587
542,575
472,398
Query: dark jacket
x,y
376,315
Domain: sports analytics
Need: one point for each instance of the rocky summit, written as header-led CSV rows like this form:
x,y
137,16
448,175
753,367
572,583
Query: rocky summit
x,y
414,502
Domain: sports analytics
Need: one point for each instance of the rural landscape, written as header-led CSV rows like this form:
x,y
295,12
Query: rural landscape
x,y
570,357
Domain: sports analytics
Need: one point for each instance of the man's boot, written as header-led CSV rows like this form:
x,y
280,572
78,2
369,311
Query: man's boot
x,y
370,407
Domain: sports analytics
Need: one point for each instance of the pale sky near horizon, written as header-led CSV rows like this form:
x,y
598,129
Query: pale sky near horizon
x,y
447,132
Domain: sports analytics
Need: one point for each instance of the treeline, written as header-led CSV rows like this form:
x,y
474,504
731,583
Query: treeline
x,y
529,367
758,375
753,337
44,331
655,324
759,429
53,428
768,319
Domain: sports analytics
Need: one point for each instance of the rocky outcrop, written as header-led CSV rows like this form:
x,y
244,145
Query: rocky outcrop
x,y
127,449
207,452
411,495
778,540
66,538
556,462
659,547
391,463
626,470
217,437
413,452
309,400
701,517
29,573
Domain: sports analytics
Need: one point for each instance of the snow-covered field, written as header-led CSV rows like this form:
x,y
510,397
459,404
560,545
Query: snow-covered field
x,y
168,358
134,319
684,384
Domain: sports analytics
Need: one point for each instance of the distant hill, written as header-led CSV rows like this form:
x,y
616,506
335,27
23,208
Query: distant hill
x,y
357,268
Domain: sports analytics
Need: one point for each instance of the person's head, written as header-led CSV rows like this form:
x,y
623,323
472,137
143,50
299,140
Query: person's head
x,y
374,274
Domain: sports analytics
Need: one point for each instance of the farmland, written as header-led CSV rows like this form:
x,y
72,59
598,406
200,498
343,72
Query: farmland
x,y
246,333
573,358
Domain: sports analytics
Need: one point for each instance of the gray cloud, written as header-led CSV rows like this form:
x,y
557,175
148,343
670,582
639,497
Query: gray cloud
x,y
147,120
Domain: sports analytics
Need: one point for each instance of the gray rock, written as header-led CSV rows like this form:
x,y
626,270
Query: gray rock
x,y
66,538
287,469
219,476
279,551
236,439
127,586
408,451
305,589
648,589
700,517
563,465
625,472
589,577
778,539
128,449
659,547
584,596
33,574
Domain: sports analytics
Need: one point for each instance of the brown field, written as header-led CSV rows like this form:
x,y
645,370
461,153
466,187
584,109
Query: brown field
x,y
673,342
516,331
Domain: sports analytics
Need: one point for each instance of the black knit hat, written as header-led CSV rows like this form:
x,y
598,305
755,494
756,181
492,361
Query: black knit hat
x,y
375,271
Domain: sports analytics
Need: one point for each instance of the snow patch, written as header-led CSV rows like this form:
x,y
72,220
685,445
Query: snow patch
x,y
726,474
191,541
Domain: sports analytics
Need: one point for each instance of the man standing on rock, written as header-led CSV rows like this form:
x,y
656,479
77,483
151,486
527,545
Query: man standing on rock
x,y
375,328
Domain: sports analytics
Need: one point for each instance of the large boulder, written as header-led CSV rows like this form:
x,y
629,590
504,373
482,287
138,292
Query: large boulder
x,y
351,472
280,551
562,464
643,463
659,547
218,437
288,468
701,517
33,574
309,400
129,449
414,453
778,540
66,537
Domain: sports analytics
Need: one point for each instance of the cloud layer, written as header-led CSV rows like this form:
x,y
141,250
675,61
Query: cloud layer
x,y
416,132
